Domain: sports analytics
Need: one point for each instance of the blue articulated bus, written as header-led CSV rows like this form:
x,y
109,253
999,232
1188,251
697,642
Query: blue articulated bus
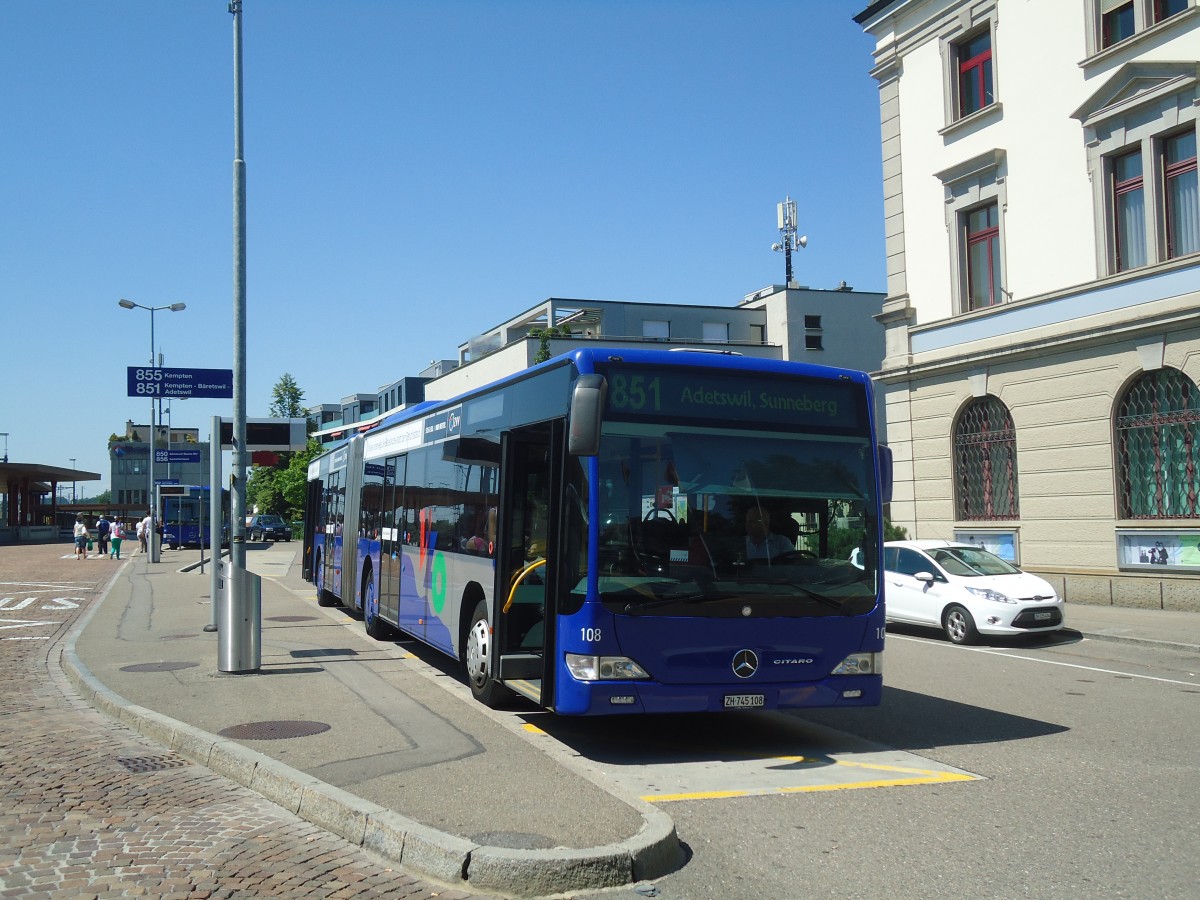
x,y
621,531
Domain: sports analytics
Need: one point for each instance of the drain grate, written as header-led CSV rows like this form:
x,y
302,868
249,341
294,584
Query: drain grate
x,y
323,651
291,618
273,731
139,764
159,667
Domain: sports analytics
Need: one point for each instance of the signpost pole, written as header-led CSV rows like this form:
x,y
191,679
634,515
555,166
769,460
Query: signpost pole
x,y
214,519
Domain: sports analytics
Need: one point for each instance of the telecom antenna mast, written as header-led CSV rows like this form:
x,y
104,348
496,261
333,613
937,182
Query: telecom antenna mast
x,y
786,215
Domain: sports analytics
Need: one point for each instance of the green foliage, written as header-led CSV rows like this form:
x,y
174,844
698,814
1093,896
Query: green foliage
x,y
287,400
894,532
293,481
272,489
544,335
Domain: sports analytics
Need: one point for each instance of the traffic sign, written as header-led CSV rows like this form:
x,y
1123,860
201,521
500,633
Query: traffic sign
x,y
145,381
176,456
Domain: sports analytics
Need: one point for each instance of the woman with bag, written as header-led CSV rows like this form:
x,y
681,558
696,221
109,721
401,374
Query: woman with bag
x,y
82,538
115,535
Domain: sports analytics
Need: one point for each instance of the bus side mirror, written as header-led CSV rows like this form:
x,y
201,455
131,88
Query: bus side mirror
x,y
587,411
885,473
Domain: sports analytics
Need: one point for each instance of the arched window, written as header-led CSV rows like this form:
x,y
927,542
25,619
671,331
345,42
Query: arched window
x,y
985,462
1158,447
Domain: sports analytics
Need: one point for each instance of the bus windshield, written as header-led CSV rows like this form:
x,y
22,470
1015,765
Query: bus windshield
x,y
734,522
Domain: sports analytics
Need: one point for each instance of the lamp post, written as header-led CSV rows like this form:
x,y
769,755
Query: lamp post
x,y
73,479
150,538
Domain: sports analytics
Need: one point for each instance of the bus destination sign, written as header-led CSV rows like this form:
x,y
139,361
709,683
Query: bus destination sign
x,y
671,393
144,381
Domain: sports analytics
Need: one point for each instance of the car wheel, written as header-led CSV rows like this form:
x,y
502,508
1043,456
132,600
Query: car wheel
x,y
478,660
959,625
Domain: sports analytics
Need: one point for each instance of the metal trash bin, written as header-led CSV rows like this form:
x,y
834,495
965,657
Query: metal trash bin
x,y
239,632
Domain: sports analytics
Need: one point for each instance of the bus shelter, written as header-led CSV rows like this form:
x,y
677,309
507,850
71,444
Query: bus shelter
x,y
27,516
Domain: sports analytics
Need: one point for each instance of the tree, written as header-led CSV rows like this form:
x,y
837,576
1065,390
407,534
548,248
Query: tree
x,y
264,486
287,400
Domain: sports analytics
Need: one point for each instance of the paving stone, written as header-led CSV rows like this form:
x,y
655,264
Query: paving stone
x,y
75,821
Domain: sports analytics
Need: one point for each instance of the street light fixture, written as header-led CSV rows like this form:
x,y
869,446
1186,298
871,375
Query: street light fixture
x,y
150,538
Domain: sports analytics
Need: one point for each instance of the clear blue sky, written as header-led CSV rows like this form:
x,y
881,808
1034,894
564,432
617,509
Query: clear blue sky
x,y
416,173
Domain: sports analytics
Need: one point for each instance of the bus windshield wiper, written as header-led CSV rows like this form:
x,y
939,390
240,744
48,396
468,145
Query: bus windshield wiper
x,y
825,599
632,608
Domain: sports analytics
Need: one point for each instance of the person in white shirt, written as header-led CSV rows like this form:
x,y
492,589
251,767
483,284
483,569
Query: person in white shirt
x,y
143,533
81,538
761,542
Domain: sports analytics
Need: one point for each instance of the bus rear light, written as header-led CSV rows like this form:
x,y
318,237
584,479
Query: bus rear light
x,y
603,668
860,664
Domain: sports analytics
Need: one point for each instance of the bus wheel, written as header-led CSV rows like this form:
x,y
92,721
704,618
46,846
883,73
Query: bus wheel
x,y
376,627
478,660
324,598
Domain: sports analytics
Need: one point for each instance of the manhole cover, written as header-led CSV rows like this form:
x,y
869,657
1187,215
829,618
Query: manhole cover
x,y
137,764
273,731
290,618
159,667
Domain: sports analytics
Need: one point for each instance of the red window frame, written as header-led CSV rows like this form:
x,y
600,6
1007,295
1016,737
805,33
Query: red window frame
x,y
1106,24
1164,9
1119,189
967,66
1172,170
985,236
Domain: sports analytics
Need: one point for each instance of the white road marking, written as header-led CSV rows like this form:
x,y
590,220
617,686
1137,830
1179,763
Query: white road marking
x,y
1048,662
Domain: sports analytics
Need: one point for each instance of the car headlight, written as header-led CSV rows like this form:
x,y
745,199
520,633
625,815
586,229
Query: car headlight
x,y
989,594
604,668
860,664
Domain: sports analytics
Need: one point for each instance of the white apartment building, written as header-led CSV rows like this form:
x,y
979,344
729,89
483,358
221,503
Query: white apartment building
x,y
1042,316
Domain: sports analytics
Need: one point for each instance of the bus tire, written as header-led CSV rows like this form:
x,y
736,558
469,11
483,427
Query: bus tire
x,y
477,660
376,628
324,597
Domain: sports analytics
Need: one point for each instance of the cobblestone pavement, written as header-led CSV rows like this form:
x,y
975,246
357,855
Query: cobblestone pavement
x,y
89,808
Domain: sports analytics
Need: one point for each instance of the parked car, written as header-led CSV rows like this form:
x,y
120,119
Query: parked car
x,y
269,528
964,590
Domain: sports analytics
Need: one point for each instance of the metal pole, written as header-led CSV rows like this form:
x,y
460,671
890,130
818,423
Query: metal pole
x,y
237,547
239,651
214,519
152,545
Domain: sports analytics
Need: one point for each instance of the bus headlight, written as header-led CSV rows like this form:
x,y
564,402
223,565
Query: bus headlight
x,y
603,668
860,664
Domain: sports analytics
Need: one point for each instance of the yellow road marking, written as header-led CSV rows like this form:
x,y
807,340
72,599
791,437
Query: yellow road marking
x,y
917,776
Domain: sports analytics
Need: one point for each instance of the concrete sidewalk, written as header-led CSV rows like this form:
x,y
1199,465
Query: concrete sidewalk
x,y
382,743
379,745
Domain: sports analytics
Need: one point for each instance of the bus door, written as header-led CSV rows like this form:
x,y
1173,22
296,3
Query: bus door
x,y
312,513
526,559
391,543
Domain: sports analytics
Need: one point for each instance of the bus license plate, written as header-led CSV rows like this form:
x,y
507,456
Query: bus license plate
x,y
741,701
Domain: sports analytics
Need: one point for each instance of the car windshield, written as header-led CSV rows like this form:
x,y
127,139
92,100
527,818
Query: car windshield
x,y
733,522
971,562
272,521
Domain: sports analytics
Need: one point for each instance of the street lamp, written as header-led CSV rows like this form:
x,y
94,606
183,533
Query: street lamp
x,y
73,479
173,307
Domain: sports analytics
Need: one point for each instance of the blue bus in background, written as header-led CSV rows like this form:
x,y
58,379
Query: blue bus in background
x,y
622,531
185,517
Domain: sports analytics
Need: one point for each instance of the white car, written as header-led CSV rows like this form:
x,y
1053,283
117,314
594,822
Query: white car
x,y
965,591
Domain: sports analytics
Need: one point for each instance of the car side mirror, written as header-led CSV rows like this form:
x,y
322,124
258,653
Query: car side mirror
x,y
926,577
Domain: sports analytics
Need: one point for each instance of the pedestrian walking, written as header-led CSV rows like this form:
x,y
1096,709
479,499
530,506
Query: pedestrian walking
x,y
103,526
116,534
82,538
143,532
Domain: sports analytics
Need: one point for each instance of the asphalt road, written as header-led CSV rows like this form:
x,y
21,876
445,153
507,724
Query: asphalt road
x,y
1090,784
